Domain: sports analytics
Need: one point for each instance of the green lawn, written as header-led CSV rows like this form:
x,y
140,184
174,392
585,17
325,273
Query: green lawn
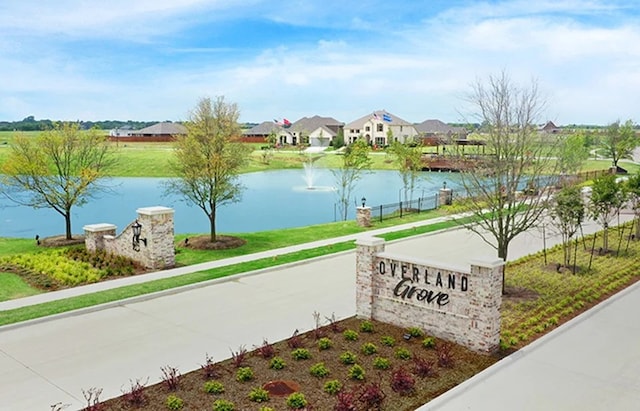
x,y
12,286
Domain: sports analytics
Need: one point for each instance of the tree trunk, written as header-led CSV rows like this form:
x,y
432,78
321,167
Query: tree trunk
x,y
212,225
67,223
502,254
605,238
637,223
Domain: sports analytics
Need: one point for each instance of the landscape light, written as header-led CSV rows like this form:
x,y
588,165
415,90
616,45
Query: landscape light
x,y
137,230
364,200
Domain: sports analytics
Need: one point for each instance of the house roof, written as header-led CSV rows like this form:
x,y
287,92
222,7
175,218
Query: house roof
x,y
263,129
165,128
309,124
437,127
326,131
380,115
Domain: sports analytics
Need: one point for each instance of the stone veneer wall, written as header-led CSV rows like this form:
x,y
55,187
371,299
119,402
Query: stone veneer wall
x,y
363,216
395,289
157,228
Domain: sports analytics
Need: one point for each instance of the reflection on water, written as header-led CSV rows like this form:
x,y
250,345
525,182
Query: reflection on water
x,y
271,200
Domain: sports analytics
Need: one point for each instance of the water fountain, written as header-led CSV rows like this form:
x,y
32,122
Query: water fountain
x,y
310,177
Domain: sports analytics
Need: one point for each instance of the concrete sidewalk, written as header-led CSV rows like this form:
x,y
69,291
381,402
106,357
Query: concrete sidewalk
x,y
52,361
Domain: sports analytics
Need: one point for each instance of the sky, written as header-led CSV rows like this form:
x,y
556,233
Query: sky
x,y
151,60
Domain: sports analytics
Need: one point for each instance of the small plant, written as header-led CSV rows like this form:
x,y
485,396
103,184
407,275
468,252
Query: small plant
x,y
348,357
332,387
388,341
402,353
266,350
213,387
259,394
174,402
356,373
366,326
429,342
415,332
244,374
324,343
92,396
372,396
277,363
333,324
135,396
318,331
381,363
402,382
239,357
210,369
346,401
223,405
423,368
368,348
170,377
295,341
296,401
350,335
445,355
300,354
266,409
319,370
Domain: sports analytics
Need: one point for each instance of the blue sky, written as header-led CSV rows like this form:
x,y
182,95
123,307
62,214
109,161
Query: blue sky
x,y
153,59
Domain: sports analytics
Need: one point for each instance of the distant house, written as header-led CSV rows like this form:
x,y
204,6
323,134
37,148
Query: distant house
x,y
436,129
159,132
124,131
549,128
379,128
316,131
259,133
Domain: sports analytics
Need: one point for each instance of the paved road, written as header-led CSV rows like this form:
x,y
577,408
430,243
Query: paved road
x,y
46,362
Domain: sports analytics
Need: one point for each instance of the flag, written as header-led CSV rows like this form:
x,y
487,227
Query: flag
x,y
386,117
286,122
374,116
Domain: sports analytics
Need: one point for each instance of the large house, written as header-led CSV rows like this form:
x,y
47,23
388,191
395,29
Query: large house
x,y
158,132
436,129
379,128
315,131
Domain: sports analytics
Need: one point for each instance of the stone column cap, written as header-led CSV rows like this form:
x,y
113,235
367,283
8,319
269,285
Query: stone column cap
x,y
370,241
155,210
93,228
488,264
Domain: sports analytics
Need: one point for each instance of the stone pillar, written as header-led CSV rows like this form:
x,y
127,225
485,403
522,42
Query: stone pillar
x,y
485,301
445,196
366,250
157,229
94,235
363,216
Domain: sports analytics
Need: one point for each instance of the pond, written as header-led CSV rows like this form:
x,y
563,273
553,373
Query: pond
x,y
271,200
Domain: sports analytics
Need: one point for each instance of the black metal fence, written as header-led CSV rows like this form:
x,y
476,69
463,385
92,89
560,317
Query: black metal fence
x,y
397,210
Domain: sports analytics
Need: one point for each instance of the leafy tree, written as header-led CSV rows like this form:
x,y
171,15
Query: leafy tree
x,y
58,169
572,153
209,157
568,212
632,187
619,141
355,162
408,159
607,197
338,141
518,155
272,138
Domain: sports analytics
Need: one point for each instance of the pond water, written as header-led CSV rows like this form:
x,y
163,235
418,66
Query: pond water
x,y
271,200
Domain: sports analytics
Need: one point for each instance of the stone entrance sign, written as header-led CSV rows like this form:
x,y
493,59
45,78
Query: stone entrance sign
x,y
447,302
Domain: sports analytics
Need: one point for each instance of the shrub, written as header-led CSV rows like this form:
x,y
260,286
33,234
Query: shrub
x,y
223,405
296,401
295,341
388,341
174,403
350,335
210,369
332,387
369,348
381,363
366,326
213,387
348,357
135,396
372,396
424,368
300,354
92,395
402,382
356,373
415,332
429,342
239,357
445,355
244,374
259,394
403,353
324,343
266,409
170,377
319,370
346,401
277,363
266,350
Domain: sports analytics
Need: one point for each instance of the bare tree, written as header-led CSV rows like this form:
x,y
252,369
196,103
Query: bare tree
x,y
355,162
567,213
209,157
408,158
517,156
58,169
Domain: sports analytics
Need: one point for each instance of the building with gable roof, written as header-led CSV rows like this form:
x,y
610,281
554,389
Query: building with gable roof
x,y
379,128
316,131
436,129
159,132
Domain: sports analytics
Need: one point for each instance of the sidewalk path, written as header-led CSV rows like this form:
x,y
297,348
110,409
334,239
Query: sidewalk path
x,y
45,362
